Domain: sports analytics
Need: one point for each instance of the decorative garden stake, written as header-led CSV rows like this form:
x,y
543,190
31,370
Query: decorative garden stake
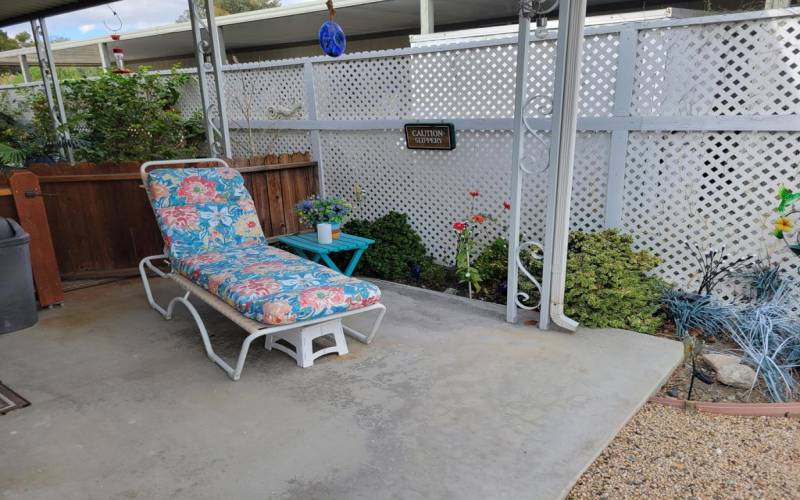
x,y
716,265
331,35
692,348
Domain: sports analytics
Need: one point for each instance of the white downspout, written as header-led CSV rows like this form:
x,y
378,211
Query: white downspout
x,y
572,14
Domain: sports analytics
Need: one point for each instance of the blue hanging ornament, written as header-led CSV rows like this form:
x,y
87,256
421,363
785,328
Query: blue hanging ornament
x,y
331,35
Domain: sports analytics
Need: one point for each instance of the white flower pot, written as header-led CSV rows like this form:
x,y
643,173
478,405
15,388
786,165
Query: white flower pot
x,y
324,233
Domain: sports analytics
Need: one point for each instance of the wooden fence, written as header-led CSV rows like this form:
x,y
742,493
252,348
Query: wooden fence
x,y
102,224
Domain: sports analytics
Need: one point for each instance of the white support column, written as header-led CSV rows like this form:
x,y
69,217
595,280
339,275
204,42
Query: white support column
x,y
520,93
623,94
426,17
50,83
311,110
214,113
222,48
569,51
104,61
24,68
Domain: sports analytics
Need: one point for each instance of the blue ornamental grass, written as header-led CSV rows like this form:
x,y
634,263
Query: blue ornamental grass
x,y
690,311
769,335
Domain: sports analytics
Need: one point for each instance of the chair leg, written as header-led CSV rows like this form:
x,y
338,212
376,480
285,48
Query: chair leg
x,y
341,341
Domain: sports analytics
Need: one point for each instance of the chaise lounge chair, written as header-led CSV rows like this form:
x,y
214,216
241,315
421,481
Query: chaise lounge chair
x,y
217,252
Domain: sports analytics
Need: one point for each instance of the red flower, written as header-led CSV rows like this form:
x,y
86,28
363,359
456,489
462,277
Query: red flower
x,y
478,219
507,205
474,194
459,226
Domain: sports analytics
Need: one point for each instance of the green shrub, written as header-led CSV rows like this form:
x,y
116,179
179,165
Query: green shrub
x,y
607,285
433,275
396,250
492,264
131,117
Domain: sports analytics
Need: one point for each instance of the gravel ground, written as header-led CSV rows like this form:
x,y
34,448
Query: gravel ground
x,y
669,453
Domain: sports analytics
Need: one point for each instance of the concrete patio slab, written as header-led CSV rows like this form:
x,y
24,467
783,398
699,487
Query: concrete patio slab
x,y
447,402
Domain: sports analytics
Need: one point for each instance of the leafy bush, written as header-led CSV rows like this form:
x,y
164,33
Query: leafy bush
x,y
130,117
433,275
396,250
492,264
23,142
607,285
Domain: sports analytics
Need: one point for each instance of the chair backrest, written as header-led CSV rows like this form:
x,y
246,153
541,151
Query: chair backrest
x,y
202,210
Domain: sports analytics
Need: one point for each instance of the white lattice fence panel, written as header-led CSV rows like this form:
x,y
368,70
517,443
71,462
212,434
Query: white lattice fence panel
x,y
431,187
468,83
262,142
363,89
189,102
712,189
265,94
737,68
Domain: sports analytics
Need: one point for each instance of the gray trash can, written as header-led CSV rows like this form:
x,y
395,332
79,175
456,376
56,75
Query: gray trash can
x,y
17,296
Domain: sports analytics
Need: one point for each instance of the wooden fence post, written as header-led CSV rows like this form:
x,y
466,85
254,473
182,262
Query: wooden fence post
x,y
33,218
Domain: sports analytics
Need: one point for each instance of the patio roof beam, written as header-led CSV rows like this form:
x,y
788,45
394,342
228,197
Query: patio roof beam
x,y
51,86
214,113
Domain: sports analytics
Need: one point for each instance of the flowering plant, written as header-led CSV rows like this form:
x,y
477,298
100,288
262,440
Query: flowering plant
x,y
315,210
784,224
466,231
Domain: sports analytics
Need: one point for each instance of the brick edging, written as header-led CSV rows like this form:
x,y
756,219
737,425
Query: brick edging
x,y
739,409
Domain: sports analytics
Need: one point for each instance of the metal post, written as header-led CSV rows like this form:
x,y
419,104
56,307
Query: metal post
x,y
24,68
216,133
521,90
425,17
572,14
217,60
52,88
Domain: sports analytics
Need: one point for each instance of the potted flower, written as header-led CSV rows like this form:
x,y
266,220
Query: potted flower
x,y
325,214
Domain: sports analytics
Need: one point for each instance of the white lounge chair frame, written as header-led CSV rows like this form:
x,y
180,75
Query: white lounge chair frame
x,y
254,329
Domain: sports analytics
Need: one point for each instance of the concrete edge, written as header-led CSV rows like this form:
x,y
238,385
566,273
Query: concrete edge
x,y
480,304
627,419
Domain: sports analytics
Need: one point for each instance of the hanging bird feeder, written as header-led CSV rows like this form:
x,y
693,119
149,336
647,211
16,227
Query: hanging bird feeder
x,y
331,35
119,54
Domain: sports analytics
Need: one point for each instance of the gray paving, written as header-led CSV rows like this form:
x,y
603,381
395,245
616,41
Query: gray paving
x,y
447,402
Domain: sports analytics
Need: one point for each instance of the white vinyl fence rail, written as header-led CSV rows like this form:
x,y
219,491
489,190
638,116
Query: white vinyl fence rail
x,y
687,129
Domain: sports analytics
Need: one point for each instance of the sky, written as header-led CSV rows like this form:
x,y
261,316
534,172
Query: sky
x,y
136,15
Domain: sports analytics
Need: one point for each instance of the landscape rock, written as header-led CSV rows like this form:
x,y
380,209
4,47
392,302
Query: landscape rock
x,y
740,376
717,361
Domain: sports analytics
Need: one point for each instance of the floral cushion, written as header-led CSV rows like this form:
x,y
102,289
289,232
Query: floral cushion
x,y
203,209
272,286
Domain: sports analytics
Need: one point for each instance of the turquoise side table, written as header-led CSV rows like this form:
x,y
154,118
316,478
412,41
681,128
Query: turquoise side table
x,y
306,243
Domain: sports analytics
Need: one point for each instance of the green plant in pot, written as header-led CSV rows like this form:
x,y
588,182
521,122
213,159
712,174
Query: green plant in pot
x,y
325,214
784,226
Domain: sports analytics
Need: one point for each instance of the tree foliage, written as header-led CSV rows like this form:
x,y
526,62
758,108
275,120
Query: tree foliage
x,y
226,7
